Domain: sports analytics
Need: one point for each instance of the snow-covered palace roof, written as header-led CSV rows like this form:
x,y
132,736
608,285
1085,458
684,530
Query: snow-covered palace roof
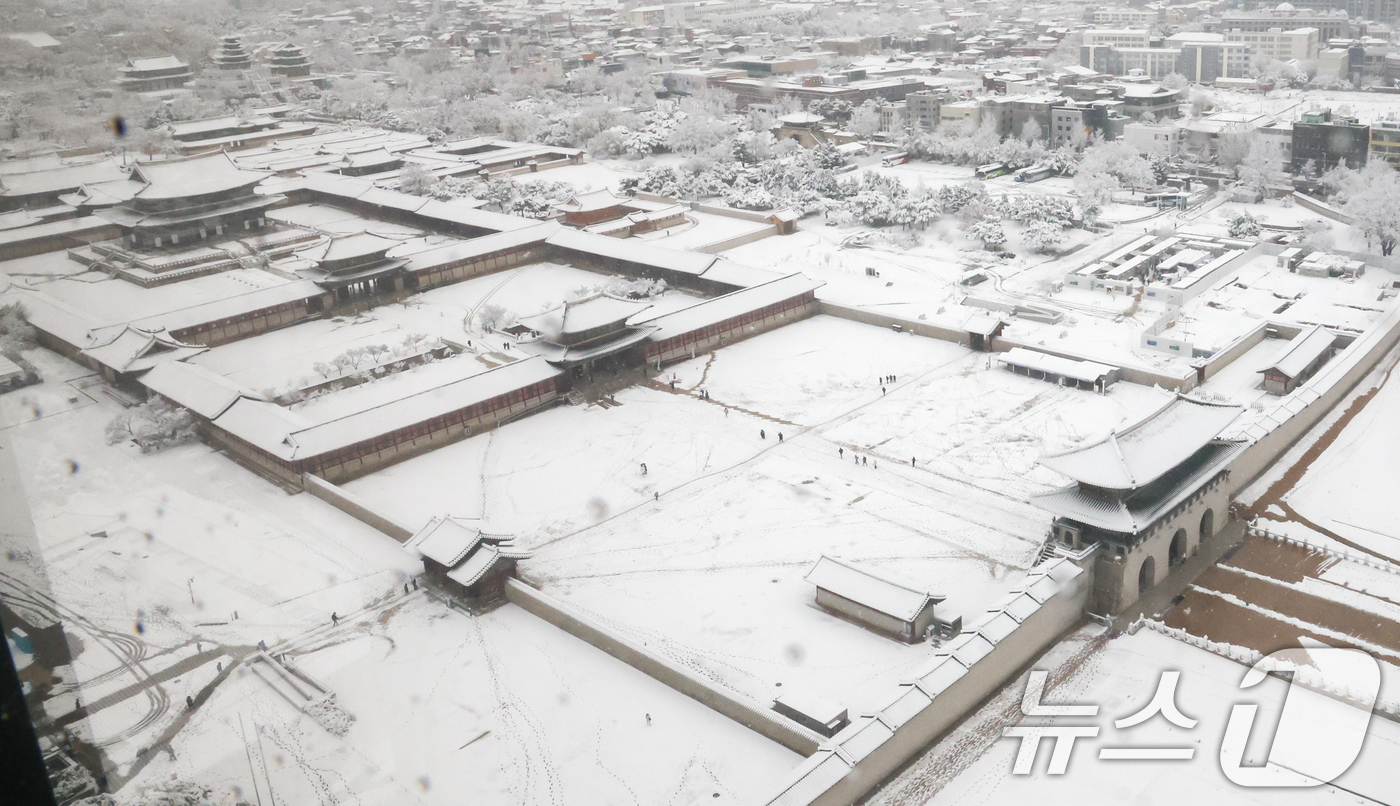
x,y
875,592
1305,348
1143,452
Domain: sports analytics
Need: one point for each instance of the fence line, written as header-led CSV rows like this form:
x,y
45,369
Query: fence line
x,y
1304,675
1342,554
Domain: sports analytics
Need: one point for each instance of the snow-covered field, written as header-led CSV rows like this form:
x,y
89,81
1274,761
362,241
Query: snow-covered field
x,y
151,555
501,708
741,516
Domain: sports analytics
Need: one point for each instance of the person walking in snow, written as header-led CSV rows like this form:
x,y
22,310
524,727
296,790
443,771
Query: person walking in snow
x,y
644,468
762,434
780,436
334,619
189,703
841,453
657,494
913,462
865,460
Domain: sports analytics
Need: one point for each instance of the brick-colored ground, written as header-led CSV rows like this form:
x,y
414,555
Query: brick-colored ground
x,y
1202,612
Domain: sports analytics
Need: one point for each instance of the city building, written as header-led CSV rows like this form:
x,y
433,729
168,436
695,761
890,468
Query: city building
x,y
924,109
1277,44
1385,140
1117,37
1322,141
1141,17
1207,57
1285,17
1154,139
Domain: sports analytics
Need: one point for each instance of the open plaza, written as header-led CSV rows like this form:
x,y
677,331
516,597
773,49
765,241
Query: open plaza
x,y
465,501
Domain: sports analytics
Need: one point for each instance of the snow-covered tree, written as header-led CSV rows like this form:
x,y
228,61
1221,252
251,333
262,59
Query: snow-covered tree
x,y
865,121
1371,197
1318,235
16,334
1243,225
989,231
1261,165
1044,236
1107,166
416,179
492,316
1175,81
753,147
828,156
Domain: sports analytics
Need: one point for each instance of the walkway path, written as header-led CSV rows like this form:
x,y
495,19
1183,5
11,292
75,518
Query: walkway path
x,y
169,673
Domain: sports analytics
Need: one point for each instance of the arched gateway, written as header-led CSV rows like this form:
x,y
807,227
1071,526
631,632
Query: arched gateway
x,y
1138,494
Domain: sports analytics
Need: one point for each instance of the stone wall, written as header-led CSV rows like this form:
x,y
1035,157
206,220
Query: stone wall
x,y
741,709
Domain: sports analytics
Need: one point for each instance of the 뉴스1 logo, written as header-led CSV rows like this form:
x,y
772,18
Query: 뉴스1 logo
x,y
1317,739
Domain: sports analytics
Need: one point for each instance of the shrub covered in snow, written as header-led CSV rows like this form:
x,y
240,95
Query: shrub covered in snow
x,y
16,334
1243,225
529,199
153,425
328,714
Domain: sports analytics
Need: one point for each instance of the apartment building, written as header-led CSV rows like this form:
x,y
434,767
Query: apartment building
x,y
1276,43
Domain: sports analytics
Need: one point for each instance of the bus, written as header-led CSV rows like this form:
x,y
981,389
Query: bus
x,y
898,158
993,170
1035,173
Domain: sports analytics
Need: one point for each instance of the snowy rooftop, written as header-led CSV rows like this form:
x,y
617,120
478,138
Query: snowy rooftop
x,y
232,306
1136,512
446,539
481,561
591,202
193,177
203,392
1045,362
155,63
1140,453
289,436
584,315
125,348
703,314
1305,348
632,250
351,247
875,592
